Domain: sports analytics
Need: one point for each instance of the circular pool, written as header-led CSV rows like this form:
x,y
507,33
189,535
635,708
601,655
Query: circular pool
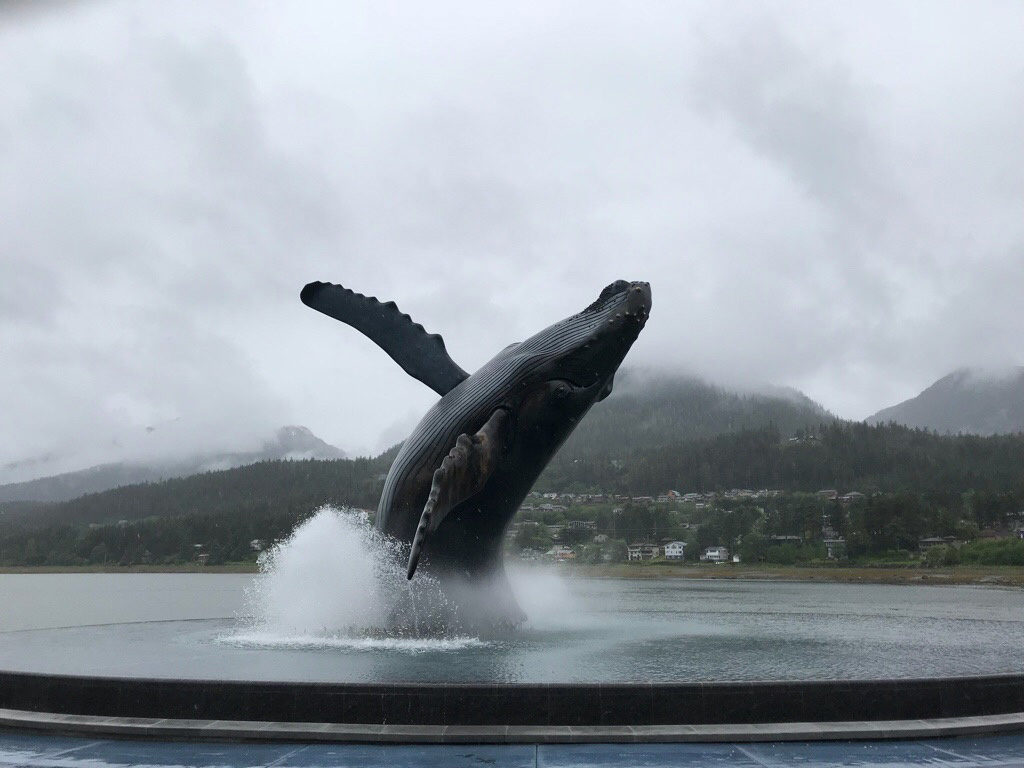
x,y
178,654
580,630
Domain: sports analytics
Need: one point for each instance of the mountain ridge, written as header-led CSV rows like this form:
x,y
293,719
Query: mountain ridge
x,y
646,409
965,401
656,409
289,443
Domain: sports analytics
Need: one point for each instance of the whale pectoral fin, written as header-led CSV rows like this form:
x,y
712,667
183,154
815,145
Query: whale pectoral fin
x,y
606,389
422,355
463,473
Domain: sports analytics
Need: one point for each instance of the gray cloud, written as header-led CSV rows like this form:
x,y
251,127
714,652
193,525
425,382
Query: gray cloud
x,y
822,196
804,113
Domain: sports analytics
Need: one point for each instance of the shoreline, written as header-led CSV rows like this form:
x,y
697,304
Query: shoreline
x,y
983,575
993,575
169,568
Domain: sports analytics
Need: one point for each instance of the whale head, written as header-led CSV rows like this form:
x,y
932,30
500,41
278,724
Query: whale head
x,y
586,349
573,364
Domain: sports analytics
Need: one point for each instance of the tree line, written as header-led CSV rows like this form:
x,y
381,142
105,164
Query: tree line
x,y
847,456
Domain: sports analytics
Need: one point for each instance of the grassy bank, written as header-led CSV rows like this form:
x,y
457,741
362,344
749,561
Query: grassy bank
x,y
997,575
992,575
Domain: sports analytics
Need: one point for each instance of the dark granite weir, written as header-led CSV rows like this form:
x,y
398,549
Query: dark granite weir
x,y
583,704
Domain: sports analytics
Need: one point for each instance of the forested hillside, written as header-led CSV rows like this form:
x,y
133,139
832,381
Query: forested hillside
x,y
840,455
922,477
847,456
651,436
279,487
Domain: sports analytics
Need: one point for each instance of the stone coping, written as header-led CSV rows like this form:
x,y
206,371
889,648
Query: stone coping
x,y
627,705
241,730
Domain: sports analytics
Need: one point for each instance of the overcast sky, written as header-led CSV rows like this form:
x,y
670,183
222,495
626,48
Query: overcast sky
x,y
828,196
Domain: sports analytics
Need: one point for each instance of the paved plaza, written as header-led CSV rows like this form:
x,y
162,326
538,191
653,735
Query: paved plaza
x,y
49,751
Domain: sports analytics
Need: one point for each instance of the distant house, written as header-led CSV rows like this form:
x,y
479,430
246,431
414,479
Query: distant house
x,y
850,497
785,539
1019,533
675,550
581,525
935,541
828,493
715,555
835,549
561,553
642,551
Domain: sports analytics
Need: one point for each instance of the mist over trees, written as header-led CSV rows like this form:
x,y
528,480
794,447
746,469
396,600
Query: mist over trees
x,y
650,409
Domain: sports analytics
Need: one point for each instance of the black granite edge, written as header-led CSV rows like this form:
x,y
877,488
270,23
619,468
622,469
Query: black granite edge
x,y
252,731
1002,677
518,704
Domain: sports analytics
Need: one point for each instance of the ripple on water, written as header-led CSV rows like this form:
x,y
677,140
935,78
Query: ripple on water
x,y
309,642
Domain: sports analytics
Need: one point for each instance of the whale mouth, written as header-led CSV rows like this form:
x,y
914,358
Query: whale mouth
x,y
574,386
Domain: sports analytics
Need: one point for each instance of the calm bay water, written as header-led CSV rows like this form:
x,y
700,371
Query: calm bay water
x,y
196,625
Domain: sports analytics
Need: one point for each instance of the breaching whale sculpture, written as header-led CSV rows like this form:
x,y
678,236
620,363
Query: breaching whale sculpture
x,y
459,478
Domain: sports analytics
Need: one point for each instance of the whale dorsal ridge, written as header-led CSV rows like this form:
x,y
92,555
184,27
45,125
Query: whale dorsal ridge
x,y
422,355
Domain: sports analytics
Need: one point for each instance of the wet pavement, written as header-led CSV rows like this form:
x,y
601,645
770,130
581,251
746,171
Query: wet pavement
x,y
54,751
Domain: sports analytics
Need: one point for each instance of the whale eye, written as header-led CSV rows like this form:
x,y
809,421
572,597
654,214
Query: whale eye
x,y
561,390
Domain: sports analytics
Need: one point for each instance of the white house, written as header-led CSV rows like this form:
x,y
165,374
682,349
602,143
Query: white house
x,y
675,550
715,555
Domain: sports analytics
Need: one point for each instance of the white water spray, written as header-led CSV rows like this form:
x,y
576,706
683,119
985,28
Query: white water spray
x,y
332,585
334,582
327,578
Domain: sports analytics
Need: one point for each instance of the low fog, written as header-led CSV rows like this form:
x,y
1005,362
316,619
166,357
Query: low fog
x,y
823,196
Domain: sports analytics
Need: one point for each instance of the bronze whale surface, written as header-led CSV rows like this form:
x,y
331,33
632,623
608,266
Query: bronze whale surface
x,y
459,478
